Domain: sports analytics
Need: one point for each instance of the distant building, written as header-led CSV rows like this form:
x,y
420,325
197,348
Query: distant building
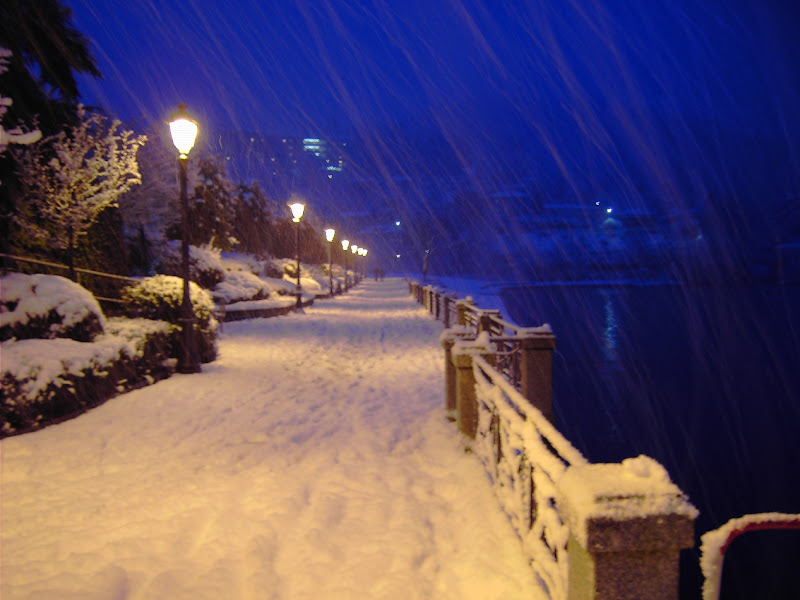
x,y
279,159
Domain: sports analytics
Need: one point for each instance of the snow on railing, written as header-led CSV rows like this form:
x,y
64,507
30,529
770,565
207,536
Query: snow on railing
x,y
714,544
525,455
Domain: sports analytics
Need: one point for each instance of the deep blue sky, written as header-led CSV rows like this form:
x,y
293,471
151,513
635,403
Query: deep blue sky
x,y
334,65
665,101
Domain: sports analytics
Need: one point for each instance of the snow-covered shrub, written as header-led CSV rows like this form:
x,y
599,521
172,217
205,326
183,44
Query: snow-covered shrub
x,y
205,265
272,270
160,298
47,307
47,381
289,267
241,285
237,261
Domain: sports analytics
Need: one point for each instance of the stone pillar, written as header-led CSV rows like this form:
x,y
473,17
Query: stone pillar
x,y
628,523
466,401
536,369
449,337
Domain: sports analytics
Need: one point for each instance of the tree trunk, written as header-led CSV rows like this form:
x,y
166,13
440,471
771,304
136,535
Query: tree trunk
x,y
71,253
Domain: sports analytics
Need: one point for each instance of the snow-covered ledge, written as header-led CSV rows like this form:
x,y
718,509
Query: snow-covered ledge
x,y
628,523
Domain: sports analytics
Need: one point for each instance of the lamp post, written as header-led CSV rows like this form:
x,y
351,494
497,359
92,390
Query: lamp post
x,y
354,250
345,244
329,233
297,214
184,132
364,267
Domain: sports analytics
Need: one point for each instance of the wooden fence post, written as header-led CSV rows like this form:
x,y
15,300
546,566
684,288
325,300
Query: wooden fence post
x,y
536,370
628,523
446,300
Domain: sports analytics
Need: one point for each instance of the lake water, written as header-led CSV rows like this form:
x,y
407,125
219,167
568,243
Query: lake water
x,y
704,379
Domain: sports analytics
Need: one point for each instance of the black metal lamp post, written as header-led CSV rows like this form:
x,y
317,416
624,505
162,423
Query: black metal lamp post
x,y
354,251
297,214
329,233
184,133
345,245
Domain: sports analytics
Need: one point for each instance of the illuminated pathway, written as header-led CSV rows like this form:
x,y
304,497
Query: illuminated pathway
x,y
313,459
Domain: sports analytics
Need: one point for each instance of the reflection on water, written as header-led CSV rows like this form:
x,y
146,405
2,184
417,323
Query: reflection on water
x,y
705,380
610,331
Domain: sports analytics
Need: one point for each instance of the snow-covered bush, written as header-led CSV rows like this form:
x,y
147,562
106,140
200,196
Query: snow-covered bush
x,y
237,261
205,265
272,270
47,307
160,298
312,278
289,267
47,381
241,285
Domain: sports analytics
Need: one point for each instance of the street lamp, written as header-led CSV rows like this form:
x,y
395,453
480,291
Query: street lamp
x,y
184,132
297,214
329,233
354,250
364,250
345,244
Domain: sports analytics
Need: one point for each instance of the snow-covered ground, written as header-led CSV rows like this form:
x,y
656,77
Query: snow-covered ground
x,y
313,459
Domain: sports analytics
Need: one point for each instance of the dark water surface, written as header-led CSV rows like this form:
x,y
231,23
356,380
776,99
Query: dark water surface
x,y
704,379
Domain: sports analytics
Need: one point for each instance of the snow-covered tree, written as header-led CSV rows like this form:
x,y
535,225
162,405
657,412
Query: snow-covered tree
x,y
17,135
48,53
150,208
253,225
211,207
70,178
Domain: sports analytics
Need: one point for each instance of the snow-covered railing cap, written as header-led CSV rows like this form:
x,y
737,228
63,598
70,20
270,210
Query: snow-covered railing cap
x,y
538,331
482,344
468,300
637,487
456,332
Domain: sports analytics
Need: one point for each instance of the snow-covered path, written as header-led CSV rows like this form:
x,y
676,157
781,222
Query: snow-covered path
x,y
312,460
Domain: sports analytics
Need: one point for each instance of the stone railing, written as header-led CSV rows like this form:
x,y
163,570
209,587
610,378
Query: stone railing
x,y
590,531
714,544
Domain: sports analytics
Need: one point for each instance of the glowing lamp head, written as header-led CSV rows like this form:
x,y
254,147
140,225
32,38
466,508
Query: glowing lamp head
x,y
297,211
365,251
183,130
329,233
354,249
345,244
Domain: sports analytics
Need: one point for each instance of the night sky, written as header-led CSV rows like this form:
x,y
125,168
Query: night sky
x,y
491,68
